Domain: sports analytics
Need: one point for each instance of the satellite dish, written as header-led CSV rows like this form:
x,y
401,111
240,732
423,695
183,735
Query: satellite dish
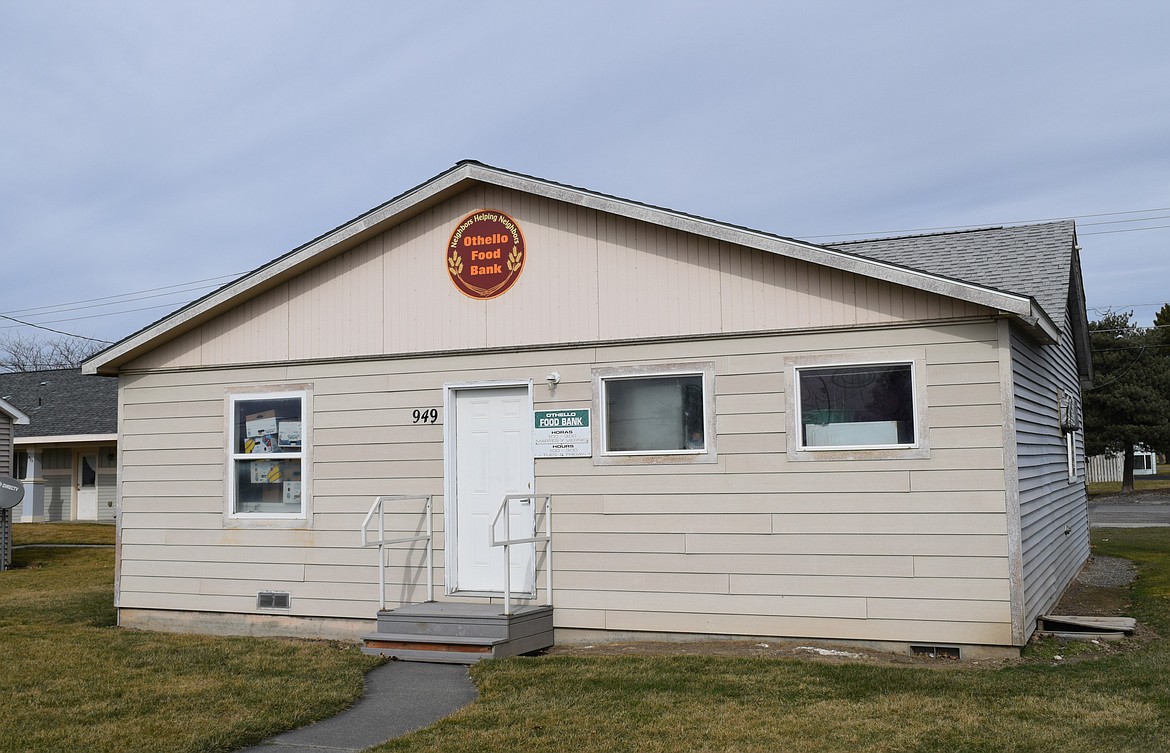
x,y
11,492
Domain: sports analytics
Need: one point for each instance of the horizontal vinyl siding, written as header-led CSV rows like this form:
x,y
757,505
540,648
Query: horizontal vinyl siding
x,y
58,495
911,550
107,487
6,446
588,277
1053,512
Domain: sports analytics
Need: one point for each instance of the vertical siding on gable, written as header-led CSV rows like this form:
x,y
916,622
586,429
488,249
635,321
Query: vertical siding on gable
x,y
755,544
589,276
1053,510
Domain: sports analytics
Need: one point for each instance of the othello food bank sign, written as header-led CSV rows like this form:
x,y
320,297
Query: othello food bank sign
x,y
485,254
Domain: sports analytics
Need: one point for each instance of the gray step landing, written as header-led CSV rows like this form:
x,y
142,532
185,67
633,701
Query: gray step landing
x,y
459,633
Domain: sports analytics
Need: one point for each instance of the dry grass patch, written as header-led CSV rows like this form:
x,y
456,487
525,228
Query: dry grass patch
x,y
1117,701
78,683
62,533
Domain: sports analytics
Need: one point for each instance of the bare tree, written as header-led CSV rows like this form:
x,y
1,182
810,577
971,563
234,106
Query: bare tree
x,y
28,353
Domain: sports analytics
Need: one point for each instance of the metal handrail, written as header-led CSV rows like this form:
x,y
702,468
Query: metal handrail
x,y
508,541
379,509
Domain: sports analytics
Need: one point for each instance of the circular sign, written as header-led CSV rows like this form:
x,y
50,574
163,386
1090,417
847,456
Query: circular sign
x,y
485,254
11,492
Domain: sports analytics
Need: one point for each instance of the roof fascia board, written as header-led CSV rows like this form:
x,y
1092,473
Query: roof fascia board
x,y
274,272
19,417
66,439
1011,303
1079,319
398,209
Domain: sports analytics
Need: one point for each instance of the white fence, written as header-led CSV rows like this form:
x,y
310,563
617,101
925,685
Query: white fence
x,y
1105,468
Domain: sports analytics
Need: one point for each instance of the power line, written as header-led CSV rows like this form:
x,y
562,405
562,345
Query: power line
x,y
1132,219
1016,222
1126,230
96,316
57,331
1110,307
131,296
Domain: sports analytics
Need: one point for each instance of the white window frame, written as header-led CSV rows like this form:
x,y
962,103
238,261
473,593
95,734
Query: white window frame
x,y
705,370
233,518
919,448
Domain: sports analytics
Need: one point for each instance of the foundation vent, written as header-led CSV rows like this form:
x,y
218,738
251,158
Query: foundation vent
x,y
936,652
272,600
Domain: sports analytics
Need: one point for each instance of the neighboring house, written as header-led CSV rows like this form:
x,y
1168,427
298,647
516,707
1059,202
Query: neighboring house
x,y
1110,468
67,453
10,418
742,434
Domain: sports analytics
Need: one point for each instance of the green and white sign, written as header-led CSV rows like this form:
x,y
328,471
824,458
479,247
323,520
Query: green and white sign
x,y
562,434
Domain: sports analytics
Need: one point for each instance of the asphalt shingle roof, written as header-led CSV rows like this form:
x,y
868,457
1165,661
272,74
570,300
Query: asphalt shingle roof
x,y
1031,260
62,402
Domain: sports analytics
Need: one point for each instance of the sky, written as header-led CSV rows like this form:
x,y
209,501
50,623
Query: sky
x,y
151,151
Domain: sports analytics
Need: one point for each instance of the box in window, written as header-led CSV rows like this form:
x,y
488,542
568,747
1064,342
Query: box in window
x,y
289,434
292,492
260,424
261,444
266,472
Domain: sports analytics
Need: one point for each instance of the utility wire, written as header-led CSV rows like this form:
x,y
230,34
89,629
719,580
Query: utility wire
x,y
57,331
97,316
131,296
1125,230
1016,222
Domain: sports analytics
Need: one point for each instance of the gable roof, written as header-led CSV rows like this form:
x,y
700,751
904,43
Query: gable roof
x,y
468,173
62,402
1039,260
1034,260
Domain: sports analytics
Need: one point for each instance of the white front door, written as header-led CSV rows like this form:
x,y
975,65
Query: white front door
x,y
87,497
492,457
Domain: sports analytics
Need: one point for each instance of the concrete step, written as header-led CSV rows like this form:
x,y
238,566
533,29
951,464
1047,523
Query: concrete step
x,y
459,633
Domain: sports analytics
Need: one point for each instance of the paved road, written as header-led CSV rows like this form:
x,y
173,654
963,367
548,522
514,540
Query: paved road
x,y
1138,512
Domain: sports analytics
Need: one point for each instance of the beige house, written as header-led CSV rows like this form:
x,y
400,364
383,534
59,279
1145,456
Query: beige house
x,y
66,451
736,433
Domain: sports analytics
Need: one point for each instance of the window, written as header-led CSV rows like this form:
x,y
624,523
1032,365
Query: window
x,y
266,455
650,413
1070,424
654,414
857,406
20,465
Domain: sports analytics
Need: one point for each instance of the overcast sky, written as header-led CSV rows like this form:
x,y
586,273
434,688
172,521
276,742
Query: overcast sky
x,y
145,146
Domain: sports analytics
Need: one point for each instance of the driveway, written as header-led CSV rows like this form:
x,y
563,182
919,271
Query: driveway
x,y
1134,511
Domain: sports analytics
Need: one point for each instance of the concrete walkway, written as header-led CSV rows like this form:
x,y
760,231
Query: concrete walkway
x,y
400,697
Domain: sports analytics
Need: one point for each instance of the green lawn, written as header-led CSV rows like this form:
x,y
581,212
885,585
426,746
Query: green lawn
x,y
76,683
669,705
73,682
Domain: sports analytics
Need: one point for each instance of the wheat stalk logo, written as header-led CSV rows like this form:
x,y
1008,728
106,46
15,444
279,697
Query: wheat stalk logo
x,y
455,264
514,259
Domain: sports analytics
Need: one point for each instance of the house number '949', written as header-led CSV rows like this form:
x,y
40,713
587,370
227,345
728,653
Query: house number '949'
x,y
425,415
